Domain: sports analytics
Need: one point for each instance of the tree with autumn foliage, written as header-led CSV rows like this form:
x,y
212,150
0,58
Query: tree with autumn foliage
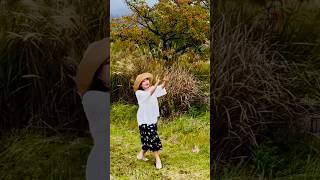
x,y
169,28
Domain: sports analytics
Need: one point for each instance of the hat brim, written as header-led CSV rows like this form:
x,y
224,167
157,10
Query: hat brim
x,y
140,78
95,55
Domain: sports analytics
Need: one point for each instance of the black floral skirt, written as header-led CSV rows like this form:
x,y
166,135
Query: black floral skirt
x,y
149,137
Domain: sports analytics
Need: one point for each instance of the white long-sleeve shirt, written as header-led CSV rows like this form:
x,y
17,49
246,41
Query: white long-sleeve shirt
x,y
148,111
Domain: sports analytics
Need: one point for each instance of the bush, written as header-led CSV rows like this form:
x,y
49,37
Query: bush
x,y
183,91
266,159
197,66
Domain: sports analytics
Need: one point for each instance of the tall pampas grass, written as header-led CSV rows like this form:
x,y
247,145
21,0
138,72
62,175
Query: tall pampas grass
x,y
250,91
41,44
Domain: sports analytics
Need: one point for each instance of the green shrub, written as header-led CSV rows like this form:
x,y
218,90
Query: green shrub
x,y
199,67
266,159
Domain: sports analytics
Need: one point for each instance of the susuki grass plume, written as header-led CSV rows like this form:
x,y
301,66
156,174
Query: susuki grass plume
x,y
249,91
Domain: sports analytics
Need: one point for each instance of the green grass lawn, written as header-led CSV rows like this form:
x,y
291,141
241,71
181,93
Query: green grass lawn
x,y
32,156
296,159
185,140
308,170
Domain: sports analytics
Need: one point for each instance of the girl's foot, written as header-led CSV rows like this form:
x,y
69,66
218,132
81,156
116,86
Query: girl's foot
x,y
158,165
142,158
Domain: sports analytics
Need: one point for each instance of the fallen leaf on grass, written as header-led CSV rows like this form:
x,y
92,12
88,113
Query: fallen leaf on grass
x,y
195,149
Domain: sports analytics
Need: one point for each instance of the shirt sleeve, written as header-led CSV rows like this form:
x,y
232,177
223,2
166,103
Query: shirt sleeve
x,y
142,96
160,91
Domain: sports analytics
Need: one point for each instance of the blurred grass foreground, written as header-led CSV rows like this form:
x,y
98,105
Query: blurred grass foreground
x,y
44,133
265,89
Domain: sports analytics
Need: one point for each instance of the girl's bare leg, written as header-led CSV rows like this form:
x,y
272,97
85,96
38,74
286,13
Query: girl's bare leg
x,y
141,154
158,160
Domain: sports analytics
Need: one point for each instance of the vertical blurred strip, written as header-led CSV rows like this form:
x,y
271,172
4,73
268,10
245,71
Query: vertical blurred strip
x,y
107,11
213,118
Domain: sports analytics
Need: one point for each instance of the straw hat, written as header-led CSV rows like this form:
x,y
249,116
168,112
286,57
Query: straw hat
x,y
96,54
140,78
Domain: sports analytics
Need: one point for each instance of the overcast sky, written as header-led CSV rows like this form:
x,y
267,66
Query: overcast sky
x,y
119,8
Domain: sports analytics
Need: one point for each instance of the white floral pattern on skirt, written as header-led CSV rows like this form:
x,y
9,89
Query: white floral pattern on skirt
x,y
150,139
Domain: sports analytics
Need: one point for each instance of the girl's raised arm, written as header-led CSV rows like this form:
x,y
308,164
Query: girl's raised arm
x,y
155,86
165,81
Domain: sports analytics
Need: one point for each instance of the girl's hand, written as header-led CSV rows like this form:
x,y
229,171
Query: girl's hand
x,y
157,79
166,78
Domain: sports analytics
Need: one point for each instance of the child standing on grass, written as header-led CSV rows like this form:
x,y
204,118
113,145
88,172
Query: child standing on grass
x,y
92,82
148,114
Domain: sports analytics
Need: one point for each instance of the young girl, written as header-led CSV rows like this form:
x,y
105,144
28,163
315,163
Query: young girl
x,y
92,81
148,114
